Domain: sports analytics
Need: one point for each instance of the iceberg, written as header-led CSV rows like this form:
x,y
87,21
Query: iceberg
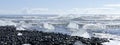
x,y
81,33
5,23
94,26
73,25
20,28
19,34
78,43
112,42
48,26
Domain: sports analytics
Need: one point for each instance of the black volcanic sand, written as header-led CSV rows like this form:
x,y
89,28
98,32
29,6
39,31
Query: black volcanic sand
x,y
8,36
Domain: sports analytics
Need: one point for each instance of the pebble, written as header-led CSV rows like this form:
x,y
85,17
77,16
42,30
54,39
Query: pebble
x,y
26,37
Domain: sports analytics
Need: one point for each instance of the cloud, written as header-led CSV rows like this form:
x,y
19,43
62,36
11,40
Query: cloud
x,y
39,9
36,10
11,12
102,10
112,5
90,10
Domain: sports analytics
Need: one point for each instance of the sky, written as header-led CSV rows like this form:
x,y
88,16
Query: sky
x,y
59,6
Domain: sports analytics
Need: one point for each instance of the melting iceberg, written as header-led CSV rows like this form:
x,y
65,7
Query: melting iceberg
x,y
73,26
94,26
4,23
90,25
78,43
48,26
112,42
81,33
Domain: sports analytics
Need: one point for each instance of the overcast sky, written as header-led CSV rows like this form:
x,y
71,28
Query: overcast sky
x,y
59,6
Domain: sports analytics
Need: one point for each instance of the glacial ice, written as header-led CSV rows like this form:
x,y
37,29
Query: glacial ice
x,y
73,25
112,42
94,26
73,28
19,34
78,43
48,27
5,23
81,33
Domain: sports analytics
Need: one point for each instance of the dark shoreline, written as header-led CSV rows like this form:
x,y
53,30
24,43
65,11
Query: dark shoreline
x,y
8,36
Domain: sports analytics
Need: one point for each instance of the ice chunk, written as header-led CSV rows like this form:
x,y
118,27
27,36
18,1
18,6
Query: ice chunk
x,y
94,26
81,33
19,34
4,23
20,28
48,26
112,42
78,43
26,44
73,25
